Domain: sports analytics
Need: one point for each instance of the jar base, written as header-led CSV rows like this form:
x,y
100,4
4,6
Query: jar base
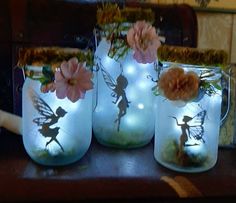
x,y
186,169
43,157
127,145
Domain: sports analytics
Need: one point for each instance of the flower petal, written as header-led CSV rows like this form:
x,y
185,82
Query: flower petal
x,y
72,80
178,85
61,89
74,93
58,76
143,39
84,79
65,71
73,65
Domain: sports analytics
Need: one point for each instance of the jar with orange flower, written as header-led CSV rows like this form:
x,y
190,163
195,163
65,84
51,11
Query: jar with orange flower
x,y
126,59
188,117
57,104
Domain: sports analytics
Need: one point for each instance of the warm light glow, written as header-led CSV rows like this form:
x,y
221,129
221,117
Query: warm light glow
x,y
130,69
132,95
131,120
140,106
195,149
142,84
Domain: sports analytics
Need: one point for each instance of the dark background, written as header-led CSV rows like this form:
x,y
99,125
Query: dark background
x,y
69,23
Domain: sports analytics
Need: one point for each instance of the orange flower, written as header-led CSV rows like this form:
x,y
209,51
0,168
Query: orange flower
x,y
175,84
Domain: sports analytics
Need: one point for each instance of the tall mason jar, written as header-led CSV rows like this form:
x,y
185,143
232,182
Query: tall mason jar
x,y
55,131
124,103
187,134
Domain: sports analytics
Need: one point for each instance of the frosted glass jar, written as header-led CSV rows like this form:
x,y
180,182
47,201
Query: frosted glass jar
x,y
186,136
124,113
55,131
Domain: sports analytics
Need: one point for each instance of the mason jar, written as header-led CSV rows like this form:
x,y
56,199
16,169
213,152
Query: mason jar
x,y
124,103
55,131
187,133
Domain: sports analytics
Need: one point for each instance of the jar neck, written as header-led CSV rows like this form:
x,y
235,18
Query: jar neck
x,y
116,28
34,72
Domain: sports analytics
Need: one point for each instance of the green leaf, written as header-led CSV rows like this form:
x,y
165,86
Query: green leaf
x,y
216,85
155,90
44,80
48,73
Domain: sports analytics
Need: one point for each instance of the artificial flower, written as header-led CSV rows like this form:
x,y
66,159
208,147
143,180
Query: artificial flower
x,y
143,39
176,84
72,80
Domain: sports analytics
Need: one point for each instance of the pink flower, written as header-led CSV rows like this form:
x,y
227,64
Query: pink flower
x,y
143,39
72,80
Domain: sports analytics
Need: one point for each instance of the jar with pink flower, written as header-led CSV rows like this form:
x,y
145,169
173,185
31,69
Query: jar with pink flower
x,y
126,60
188,118
57,104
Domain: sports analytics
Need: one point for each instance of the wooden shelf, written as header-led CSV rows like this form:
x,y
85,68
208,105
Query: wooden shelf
x,y
109,174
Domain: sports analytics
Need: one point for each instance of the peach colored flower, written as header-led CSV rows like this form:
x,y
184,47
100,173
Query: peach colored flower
x,y
175,84
72,80
143,39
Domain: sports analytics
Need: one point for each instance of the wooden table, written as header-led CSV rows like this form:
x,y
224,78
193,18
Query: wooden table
x,y
110,175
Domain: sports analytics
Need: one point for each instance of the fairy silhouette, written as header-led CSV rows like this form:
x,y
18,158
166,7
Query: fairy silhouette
x,y
192,127
118,87
47,119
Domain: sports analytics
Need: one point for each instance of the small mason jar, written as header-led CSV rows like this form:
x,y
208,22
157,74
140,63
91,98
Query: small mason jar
x,y
187,134
55,131
124,103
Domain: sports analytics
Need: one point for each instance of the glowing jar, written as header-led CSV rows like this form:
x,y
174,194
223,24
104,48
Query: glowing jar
x,y
186,134
55,131
124,113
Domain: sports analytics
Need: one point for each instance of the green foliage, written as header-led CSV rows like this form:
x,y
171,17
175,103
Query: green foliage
x,y
155,90
48,75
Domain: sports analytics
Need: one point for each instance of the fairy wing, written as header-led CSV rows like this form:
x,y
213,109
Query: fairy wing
x,y
196,126
43,109
108,79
